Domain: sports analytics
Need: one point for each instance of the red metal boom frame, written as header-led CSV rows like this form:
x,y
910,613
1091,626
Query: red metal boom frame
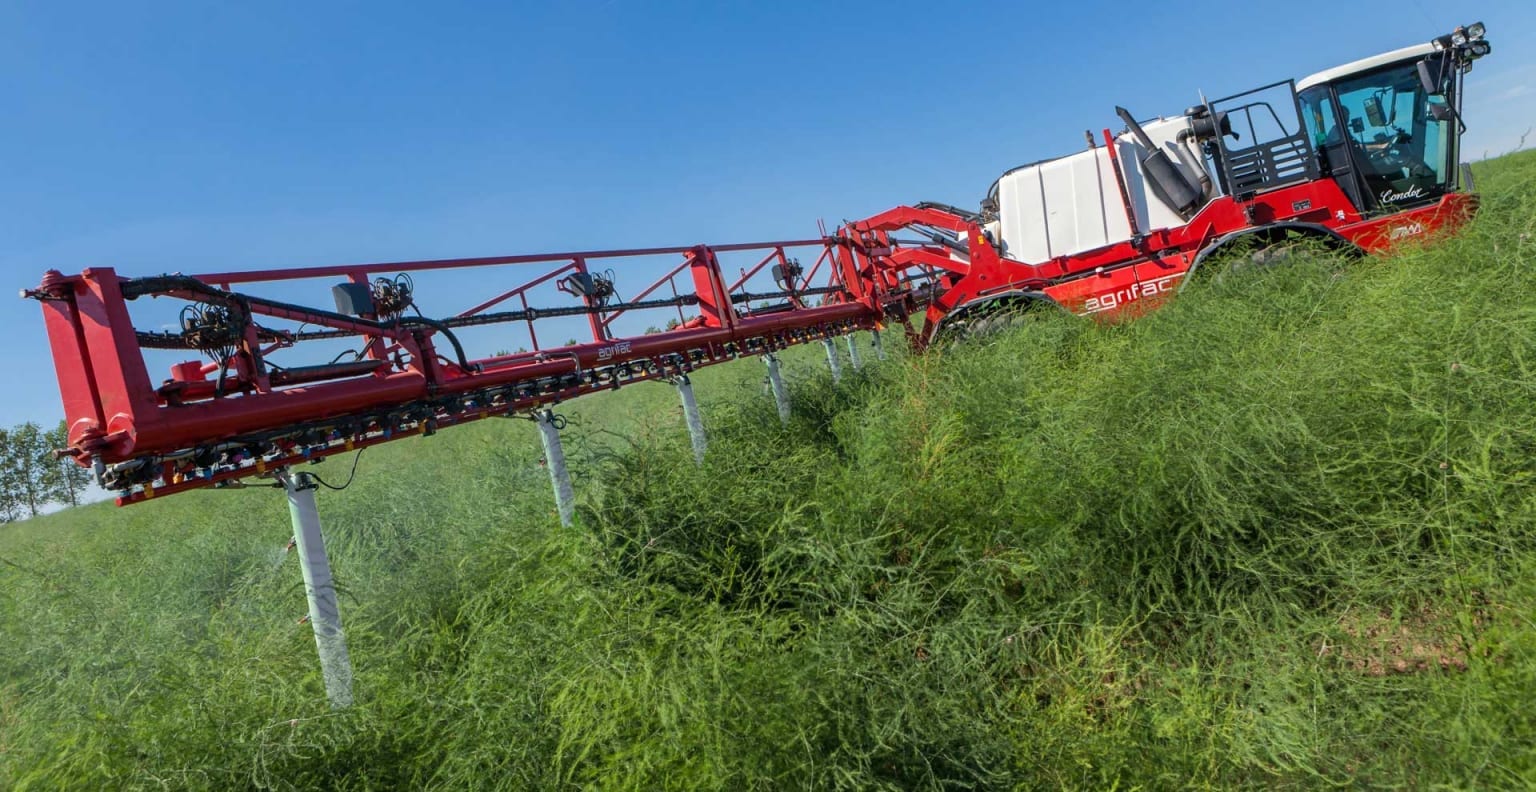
x,y
192,431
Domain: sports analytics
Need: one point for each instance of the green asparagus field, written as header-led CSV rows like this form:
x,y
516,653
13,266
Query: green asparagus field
x,y
1281,533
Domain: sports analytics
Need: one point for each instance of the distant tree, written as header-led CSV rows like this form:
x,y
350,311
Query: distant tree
x,y
652,330
63,479
9,504
25,464
571,342
672,324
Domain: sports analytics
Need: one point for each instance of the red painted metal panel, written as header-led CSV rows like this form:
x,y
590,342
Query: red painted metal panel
x,y
72,363
120,382
714,303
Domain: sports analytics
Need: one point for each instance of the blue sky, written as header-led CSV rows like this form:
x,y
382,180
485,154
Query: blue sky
x,y
157,137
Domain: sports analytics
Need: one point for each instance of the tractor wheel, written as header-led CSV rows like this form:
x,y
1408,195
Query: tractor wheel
x,y
1244,257
985,320
1233,261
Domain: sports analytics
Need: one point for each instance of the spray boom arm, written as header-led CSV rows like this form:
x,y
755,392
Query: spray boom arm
x,y
242,409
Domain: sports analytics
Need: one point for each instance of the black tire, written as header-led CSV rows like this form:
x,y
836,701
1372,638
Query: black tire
x,y
1256,254
986,320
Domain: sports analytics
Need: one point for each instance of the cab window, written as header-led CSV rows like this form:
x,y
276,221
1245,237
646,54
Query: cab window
x,y
1402,150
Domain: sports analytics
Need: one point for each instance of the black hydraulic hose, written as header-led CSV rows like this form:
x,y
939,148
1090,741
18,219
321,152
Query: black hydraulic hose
x,y
350,476
965,214
952,244
412,321
175,341
741,297
165,283
138,287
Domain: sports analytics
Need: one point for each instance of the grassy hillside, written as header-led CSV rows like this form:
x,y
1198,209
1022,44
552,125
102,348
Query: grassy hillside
x,y
1281,533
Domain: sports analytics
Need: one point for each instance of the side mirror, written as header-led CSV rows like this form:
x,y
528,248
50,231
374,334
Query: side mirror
x,y
1373,112
1440,112
1427,80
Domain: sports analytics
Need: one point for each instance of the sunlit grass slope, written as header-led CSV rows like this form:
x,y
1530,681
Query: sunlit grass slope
x,y
1281,533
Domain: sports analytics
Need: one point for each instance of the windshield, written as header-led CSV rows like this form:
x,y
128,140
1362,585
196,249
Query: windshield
x,y
1389,125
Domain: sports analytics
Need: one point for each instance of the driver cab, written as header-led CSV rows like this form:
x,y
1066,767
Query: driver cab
x,y
1386,139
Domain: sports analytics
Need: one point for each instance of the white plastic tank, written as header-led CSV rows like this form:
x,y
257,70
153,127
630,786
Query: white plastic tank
x,y
1071,205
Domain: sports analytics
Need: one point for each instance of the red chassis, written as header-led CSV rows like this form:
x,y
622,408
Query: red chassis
x,y
1131,277
235,413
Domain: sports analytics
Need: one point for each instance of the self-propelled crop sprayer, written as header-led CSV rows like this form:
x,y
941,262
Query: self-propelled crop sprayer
x,y
1355,158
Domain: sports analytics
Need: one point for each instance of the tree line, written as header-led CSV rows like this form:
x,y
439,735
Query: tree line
x,y
31,477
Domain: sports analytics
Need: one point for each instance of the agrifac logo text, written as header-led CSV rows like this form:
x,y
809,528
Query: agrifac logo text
x,y
608,352
1135,291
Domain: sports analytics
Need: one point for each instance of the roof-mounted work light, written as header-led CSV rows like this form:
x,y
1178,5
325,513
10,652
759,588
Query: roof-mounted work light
x,y
1466,43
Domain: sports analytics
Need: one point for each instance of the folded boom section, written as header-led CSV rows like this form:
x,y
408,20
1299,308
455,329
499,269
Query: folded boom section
x,y
268,368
